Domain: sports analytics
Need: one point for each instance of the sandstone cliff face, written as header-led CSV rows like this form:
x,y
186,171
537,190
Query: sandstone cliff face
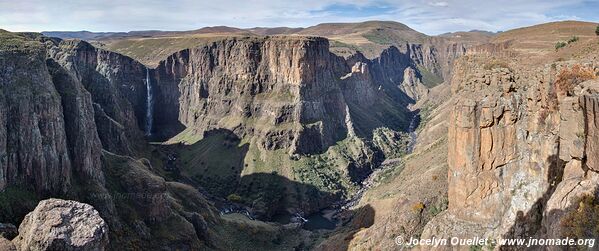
x,y
516,147
448,52
291,92
289,98
285,94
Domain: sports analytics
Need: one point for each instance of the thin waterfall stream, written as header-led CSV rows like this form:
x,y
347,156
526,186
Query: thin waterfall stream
x,y
149,104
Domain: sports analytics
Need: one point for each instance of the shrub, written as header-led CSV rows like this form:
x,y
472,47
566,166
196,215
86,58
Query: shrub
x,y
440,206
561,44
583,221
418,207
567,79
597,31
234,197
573,39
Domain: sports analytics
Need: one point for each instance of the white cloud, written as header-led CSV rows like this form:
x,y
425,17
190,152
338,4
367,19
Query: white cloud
x,y
439,4
431,17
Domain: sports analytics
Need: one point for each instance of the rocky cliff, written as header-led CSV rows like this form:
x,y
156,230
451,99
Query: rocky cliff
x,y
277,125
117,87
288,98
69,116
518,150
290,92
33,143
73,117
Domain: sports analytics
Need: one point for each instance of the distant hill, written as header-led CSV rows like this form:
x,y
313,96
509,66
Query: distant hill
x,y
266,31
370,38
538,42
83,35
93,36
473,35
544,36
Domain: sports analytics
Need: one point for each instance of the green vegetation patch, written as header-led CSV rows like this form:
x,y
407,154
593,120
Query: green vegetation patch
x,y
429,79
215,162
379,37
582,222
425,116
17,42
15,203
562,44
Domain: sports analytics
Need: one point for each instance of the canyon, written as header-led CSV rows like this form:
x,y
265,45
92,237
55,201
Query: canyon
x,y
225,138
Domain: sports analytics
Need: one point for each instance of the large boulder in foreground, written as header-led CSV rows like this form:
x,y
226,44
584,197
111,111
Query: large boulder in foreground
x,y
62,225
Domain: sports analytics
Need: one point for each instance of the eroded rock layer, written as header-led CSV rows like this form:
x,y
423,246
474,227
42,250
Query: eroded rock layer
x,y
518,148
289,92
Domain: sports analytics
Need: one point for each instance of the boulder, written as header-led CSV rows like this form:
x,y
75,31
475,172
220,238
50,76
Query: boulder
x,y
62,225
6,245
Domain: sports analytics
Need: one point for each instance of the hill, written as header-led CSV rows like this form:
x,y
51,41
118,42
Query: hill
x,y
371,38
555,41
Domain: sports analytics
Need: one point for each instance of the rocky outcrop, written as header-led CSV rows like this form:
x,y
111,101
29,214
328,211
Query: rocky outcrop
x,y
33,143
82,136
289,92
115,83
578,139
62,225
7,245
150,213
50,130
66,108
412,86
516,151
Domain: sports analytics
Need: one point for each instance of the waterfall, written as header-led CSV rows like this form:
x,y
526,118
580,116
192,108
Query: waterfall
x,y
149,104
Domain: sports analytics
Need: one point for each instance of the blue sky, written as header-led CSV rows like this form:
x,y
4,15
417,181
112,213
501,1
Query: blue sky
x,y
428,16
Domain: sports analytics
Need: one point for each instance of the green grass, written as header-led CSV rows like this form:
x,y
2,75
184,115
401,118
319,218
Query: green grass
x,y
438,207
214,162
429,79
116,167
573,39
18,42
425,116
150,51
393,144
335,44
276,177
237,232
379,38
15,203
387,175
560,45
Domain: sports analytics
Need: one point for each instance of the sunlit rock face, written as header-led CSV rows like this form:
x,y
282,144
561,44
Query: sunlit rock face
x,y
516,146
